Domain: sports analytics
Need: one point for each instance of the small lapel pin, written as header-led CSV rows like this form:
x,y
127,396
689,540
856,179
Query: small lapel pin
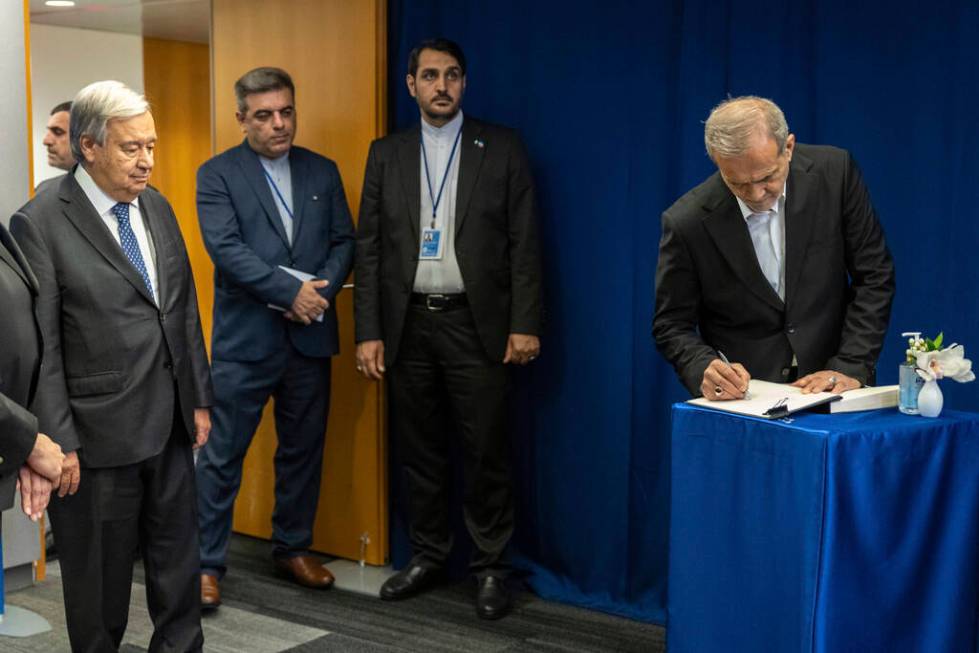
x,y
315,197
479,143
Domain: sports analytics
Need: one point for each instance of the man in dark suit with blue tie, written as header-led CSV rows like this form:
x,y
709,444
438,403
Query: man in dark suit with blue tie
x,y
125,386
276,223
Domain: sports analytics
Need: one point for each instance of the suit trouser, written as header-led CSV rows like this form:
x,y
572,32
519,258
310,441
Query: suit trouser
x,y
147,506
443,376
300,387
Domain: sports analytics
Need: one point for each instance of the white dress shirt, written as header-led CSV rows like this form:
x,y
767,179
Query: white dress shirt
x,y
768,239
440,276
278,171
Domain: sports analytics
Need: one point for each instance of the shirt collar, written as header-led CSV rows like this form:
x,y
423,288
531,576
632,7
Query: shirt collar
x,y
100,200
746,212
448,130
278,163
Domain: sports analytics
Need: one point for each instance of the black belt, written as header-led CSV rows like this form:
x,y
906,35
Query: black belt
x,y
439,302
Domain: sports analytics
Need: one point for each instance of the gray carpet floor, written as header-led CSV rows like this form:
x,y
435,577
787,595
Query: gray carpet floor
x,y
264,613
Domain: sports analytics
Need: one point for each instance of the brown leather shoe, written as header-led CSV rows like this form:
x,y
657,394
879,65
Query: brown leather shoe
x,y
306,570
210,592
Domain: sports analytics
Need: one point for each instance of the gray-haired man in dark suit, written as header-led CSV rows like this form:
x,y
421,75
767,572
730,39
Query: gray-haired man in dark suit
x,y
777,260
125,387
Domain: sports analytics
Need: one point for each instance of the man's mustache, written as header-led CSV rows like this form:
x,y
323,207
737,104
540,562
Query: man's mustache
x,y
443,96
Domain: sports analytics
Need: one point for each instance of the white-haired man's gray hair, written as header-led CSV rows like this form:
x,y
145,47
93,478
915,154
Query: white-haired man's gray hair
x,y
733,123
97,104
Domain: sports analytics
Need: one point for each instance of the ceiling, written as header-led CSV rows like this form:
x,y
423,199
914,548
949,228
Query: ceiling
x,y
177,20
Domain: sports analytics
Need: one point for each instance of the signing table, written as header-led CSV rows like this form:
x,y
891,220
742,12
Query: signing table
x,y
847,532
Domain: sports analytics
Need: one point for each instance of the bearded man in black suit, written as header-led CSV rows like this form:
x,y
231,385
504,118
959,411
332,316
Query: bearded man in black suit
x,y
448,294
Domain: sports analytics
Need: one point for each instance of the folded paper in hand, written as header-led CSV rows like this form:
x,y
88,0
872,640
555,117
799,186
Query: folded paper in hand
x,y
302,276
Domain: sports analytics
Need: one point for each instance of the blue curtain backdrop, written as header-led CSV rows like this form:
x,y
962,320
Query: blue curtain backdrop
x,y
610,97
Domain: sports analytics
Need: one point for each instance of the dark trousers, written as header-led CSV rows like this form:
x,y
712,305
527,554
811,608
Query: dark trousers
x,y
443,377
300,387
147,506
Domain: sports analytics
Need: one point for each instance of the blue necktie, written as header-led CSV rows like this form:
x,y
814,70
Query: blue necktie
x,y
127,238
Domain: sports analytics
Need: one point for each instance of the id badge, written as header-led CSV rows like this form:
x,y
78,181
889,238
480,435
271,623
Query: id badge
x,y
431,245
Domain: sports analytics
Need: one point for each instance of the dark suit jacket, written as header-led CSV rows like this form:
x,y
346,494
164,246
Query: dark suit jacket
x,y
48,184
712,295
495,240
112,358
18,379
244,235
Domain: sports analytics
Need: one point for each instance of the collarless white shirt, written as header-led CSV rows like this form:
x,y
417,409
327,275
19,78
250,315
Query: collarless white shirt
x,y
279,172
776,230
103,204
443,275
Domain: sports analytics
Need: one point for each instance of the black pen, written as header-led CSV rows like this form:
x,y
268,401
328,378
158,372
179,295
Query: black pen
x,y
728,363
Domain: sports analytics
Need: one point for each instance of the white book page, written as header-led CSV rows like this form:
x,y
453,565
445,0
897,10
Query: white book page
x,y
763,395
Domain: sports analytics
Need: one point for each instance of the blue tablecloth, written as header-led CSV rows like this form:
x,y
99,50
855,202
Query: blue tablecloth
x,y
852,532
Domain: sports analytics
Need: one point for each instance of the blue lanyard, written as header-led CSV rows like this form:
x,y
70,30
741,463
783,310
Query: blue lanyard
x,y
278,192
437,199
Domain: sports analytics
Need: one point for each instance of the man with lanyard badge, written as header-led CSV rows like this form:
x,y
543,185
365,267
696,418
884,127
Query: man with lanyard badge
x,y
276,224
447,296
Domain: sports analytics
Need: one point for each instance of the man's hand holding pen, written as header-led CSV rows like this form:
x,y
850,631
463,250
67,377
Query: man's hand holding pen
x,y
724,380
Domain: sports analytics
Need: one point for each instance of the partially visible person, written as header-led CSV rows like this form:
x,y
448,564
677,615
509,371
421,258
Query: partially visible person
x,y
56,141
777,261
29,460
276,223
125,387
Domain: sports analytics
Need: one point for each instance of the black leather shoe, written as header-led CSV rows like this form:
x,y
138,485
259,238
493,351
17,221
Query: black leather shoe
x,y
492,598
411,580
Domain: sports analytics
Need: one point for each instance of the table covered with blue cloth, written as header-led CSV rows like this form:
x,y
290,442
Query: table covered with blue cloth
x,y
845,532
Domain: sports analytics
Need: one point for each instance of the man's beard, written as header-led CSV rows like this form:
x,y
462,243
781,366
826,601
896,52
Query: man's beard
x,y
443,116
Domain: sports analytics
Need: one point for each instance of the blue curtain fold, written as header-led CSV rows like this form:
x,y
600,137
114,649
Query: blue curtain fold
x,y
610,97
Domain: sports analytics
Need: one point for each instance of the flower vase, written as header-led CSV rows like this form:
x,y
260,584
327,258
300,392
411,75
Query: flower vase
x,y
930,399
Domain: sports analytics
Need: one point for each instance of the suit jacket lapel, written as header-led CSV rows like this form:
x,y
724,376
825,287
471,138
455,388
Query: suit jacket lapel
x,y
153,219
471,159
82,215
297,173
727,228
798,222
409,160
252,169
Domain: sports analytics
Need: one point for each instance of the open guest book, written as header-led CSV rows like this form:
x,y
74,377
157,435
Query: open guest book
x,y
775,400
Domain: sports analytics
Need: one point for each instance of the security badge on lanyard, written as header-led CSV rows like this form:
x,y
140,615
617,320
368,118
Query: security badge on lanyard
x,y
432,242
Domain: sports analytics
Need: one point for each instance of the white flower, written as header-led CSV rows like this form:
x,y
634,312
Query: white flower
x,y
949,362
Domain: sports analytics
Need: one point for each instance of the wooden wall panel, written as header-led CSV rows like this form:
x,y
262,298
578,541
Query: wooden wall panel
x,y
335,52
177,79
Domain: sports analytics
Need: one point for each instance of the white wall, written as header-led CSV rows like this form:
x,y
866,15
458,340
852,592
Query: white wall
x,y
13,110
63,61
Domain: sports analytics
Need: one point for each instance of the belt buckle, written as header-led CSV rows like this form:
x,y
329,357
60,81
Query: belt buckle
x,y
436,302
